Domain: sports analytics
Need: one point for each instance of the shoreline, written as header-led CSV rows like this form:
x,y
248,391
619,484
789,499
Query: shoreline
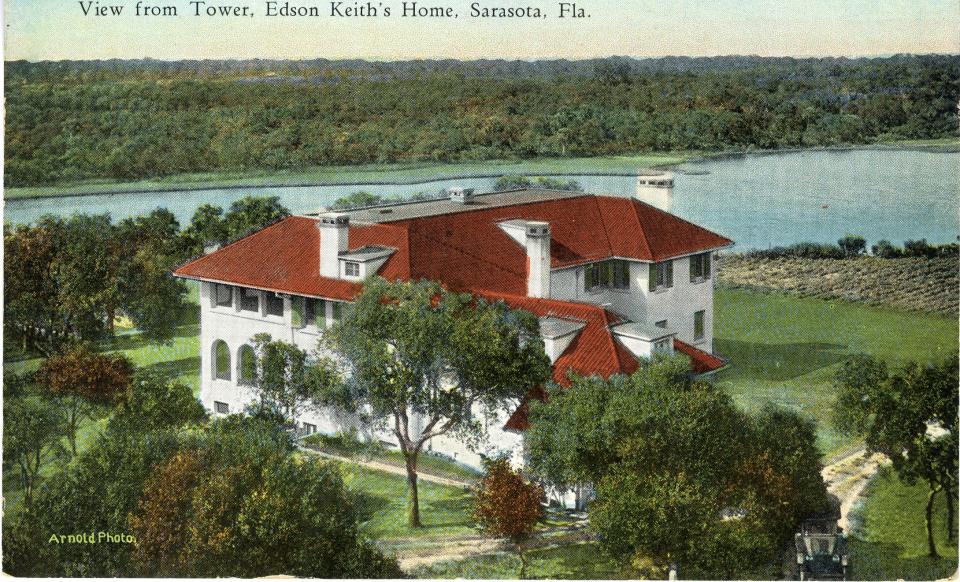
x,y
671,161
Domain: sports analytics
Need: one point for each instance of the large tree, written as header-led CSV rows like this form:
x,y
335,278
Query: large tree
x,y
668,458
283,380
419,358
86,382
910,416
33,432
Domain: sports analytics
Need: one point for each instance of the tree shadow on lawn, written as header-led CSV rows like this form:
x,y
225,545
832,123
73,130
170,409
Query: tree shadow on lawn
x,y
174,368
778,362
368,505
882,561
458,509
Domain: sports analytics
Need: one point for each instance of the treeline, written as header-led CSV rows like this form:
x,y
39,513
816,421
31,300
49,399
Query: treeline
x,y
67,280
853,246
73,121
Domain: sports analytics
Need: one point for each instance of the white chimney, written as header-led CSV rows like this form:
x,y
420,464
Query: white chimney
x,y
656,190
334,237
460,195
538,258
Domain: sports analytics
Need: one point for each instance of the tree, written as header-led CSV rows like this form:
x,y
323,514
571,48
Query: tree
x,y
418,355
30,306
251,213
155,402
150,247
910,416
249,510
668,458
508,506
284,381
86,382
32,437
357,199
852,245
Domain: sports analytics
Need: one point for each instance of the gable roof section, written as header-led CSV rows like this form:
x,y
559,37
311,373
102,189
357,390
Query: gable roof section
x,y
285,257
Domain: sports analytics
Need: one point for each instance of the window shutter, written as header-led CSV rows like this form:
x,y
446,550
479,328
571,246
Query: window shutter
x,y
337,310
694,262
297,312
668,276
706,265
320,313
652,276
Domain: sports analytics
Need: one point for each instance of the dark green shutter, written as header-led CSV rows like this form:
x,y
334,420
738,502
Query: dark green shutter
x,y
297,312
652,277
694,263
706,265
668,275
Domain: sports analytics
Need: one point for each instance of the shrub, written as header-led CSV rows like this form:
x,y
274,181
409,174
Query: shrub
x,y
852,245
885,250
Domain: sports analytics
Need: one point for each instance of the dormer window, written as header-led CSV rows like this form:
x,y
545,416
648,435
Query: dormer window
x,y
351,269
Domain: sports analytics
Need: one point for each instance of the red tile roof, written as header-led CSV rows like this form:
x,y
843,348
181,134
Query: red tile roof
x,y
468,251
701,362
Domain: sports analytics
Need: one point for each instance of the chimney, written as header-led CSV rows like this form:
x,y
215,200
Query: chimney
x,y
334,236
538,258
460,195
656,190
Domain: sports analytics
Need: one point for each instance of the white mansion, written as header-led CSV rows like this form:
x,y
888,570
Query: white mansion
x,y
612,279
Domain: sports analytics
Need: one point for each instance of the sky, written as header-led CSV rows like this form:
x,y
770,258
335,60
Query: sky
x,y
58,29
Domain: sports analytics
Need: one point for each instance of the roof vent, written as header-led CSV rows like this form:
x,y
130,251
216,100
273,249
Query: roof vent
x,y
460,195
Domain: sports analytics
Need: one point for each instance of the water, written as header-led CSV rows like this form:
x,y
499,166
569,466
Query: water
x,y
759,201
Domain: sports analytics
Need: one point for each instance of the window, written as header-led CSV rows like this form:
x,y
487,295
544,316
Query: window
x,y
221,360
661,346
337,310
698,324
661,275
309,428
699,267
246,365
614,274
249,300
221,407
662,324
351,269
274,304
222,295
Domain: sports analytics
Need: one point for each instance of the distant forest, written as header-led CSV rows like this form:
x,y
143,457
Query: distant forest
x,y
76,120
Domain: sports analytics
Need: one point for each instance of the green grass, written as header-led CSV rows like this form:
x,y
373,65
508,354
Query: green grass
x,y
382,499
573,562
890,540
786,349
371,173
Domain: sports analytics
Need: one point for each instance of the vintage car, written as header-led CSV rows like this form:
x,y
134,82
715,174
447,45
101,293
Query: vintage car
x,y
821,546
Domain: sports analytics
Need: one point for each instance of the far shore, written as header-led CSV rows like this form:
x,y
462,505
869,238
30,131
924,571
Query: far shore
x,y
413,173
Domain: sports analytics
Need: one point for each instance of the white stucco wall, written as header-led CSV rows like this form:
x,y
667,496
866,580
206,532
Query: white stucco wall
x,y
676,304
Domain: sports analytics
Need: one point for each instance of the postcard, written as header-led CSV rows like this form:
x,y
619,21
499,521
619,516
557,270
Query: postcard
x,y
494,289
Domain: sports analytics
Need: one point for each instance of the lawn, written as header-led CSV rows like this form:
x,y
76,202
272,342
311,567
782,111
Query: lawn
x,y
786,349
889,539
573,561
382,498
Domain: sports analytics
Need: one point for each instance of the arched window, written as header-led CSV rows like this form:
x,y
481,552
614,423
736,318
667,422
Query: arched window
x,y
221,360
246,365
